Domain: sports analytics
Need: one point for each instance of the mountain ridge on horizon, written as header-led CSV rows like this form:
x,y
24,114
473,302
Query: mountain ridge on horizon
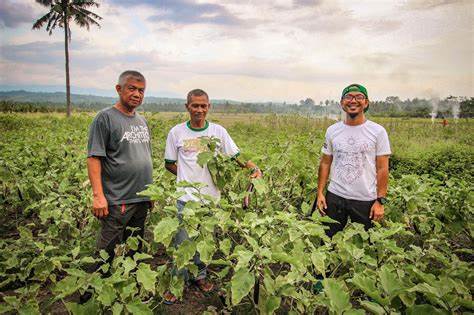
x,y
22,95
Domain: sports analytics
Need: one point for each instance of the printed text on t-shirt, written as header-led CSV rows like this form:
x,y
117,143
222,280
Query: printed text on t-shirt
x,y
137,134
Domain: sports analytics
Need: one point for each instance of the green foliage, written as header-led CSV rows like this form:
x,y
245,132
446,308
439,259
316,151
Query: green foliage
x,y
242,282
418,261
442,162
466,107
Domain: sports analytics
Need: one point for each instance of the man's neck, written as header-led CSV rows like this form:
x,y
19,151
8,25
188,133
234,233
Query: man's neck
x,y
125,109
197,124
357,120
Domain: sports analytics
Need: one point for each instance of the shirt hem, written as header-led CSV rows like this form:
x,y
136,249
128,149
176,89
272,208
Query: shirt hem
x,y
99,154
126,202
350,198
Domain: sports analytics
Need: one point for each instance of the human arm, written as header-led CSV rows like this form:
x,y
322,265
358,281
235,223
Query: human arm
x,y
377,210
171,152
230,149
256,171
323,175
172,167
99,203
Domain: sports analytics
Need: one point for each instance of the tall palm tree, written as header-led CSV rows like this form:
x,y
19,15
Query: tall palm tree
x,y
60,15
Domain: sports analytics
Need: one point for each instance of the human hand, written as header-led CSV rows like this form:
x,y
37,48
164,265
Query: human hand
x,y
321,204
100,208
257,173
377,211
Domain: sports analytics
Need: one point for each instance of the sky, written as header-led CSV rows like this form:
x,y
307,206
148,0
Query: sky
x,y
278,50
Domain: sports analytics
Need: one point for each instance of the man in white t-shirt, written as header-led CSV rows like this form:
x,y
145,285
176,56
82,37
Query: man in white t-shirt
x,y
355,160
182,148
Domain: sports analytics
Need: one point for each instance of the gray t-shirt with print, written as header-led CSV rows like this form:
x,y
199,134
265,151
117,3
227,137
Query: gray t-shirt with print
x,y
123,144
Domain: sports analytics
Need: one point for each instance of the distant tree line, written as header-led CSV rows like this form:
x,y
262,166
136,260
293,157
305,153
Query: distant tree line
x,y
459,107
392,106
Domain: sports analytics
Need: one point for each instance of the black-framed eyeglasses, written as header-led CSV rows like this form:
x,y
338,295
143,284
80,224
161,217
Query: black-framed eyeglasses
x,y
350,97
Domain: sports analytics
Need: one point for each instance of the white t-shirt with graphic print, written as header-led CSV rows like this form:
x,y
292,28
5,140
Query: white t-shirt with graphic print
x,y
354,149
183,146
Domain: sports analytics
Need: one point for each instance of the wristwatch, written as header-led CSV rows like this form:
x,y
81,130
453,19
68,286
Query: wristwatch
x,y
254,169
382,200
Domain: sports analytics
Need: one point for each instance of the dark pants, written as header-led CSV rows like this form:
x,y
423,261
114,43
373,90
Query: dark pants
x,y
340,209
114,226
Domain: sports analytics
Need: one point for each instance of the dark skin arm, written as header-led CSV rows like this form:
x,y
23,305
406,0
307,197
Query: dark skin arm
x,y
250,165
173,168
323,175
377,210
99,205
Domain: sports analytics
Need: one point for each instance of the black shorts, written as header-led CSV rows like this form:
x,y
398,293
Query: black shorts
x,y
340,209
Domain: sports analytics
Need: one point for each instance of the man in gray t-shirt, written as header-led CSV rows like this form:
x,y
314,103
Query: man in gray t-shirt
x,y
119,164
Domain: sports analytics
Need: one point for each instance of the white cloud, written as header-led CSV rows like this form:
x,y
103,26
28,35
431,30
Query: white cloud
x,y
267,50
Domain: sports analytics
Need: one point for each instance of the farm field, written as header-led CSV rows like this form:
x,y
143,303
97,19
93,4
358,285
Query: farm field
x,y
273,257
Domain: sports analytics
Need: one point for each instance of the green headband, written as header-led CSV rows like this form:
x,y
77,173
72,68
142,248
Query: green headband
x,y
355,88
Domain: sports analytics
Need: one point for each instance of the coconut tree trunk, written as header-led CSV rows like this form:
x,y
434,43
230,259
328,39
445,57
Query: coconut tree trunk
x,y
66,52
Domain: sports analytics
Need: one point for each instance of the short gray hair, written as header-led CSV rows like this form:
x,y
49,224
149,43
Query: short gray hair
x,y
196,92
126,75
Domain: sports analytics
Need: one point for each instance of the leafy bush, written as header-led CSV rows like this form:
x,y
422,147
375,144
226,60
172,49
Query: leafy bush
x,y
443,163
418,261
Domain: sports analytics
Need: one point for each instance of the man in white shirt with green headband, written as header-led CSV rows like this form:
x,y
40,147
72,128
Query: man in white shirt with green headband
x,y
355,160
183,146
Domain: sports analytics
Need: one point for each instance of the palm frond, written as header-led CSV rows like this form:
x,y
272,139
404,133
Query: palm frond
x,y
85,3
87,13
85,21
54,23
45,3
40,22
58,8
75,10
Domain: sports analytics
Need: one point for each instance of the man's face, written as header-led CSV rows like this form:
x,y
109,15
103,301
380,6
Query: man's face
x,y
198,107
132,93
354,103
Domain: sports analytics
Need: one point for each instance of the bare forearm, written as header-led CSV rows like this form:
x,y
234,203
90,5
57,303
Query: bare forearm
x,y
172,168
323,175
249,164
382,175
99,203
94,169
323,172
382,182
256,172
